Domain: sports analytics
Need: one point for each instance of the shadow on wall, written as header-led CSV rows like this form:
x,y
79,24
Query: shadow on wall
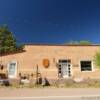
x,y
12,53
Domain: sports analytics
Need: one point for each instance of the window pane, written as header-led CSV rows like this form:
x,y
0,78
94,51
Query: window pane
x,y
12,68
86,66
64,61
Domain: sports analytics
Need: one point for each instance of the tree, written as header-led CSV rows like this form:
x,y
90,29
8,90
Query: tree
x,y
72,43
82,42
97,59
8,42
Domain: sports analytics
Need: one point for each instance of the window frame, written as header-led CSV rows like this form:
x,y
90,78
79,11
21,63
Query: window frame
x,y
71,69
16,66
92,66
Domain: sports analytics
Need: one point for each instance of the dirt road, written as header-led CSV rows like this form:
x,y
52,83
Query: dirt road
x,y
42,92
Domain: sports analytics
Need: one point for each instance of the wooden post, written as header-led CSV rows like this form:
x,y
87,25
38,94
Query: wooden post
x,y
0,57
37,74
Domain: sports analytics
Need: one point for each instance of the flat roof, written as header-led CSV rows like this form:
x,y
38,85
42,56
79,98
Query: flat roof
x,y
62,44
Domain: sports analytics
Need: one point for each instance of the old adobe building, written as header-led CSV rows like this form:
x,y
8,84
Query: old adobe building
x,y
67,61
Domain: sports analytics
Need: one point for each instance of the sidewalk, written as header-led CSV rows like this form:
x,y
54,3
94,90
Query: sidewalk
x,y
36,92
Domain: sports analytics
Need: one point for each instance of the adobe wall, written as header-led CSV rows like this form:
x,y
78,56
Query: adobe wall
x,y
34,55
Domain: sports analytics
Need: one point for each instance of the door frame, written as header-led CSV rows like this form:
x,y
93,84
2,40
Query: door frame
x,y
66,76
15,74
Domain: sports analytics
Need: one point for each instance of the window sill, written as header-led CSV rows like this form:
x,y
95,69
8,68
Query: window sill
x,y
87,71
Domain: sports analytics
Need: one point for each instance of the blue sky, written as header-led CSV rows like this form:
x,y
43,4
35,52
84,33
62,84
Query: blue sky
x,y
52,21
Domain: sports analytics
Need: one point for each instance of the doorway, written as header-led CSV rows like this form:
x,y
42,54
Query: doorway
x,y
64,68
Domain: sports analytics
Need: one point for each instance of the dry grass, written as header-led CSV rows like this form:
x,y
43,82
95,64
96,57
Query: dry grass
x,y
67,84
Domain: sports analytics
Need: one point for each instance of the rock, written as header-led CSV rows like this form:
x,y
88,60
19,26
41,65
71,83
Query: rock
x,y
78,80
25,81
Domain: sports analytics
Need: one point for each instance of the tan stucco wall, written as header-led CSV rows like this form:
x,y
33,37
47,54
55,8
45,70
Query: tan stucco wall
x,y
34,54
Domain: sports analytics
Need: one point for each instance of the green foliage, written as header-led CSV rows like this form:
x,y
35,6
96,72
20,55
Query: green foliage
x,y
20,47
82,42
97,59
73,43
7,40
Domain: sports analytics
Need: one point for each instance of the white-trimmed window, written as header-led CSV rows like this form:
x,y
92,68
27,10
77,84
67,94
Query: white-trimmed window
x,y
12,69
86,65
